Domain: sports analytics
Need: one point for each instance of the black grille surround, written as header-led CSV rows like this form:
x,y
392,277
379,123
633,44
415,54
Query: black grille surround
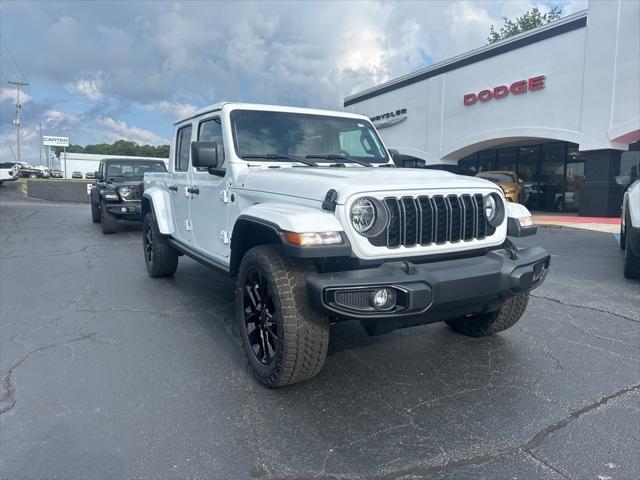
x,y
433,220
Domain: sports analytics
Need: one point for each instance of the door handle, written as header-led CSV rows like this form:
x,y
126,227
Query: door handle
x,y
173,188
193,190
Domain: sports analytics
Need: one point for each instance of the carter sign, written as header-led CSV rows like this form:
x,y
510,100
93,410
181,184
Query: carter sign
x,y
501,91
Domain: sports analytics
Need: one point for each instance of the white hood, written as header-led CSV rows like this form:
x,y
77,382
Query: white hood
x,y
313,183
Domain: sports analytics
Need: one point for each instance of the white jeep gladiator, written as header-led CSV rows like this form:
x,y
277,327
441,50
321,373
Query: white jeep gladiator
x,y
307,211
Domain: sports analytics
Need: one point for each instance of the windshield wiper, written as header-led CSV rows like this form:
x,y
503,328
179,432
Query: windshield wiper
x,y
342,158
278,156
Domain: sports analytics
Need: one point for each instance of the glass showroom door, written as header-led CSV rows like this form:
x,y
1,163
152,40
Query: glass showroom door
x,y
574,182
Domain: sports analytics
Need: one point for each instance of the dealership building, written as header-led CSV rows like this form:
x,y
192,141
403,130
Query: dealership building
x,y
560,105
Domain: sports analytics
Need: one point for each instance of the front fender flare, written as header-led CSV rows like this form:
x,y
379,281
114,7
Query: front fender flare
x,y
160,203
294,218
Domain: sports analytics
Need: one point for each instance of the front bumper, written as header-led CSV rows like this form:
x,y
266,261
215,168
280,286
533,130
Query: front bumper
x,y
433,291
125,210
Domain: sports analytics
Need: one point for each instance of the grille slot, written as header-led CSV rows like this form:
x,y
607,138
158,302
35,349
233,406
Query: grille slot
x,y
357,299
436,220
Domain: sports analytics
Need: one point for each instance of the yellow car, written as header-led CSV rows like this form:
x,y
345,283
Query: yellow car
x,y
508,181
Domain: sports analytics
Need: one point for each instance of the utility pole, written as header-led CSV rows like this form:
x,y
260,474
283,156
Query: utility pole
x,y
18,107
40,146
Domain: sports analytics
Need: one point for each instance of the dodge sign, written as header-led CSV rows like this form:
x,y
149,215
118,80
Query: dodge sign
x,y
501,91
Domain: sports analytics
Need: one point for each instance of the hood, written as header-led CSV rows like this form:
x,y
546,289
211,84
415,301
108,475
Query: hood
x,y
313,183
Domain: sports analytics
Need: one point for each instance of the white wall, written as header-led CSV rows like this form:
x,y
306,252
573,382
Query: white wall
x,y
591,95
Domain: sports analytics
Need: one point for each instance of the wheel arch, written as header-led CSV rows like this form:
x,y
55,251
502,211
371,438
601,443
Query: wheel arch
x,y
249,232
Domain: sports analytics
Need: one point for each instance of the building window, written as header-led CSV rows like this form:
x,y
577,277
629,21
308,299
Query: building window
x,y
486,160
630,164
507,159
468,165
528,159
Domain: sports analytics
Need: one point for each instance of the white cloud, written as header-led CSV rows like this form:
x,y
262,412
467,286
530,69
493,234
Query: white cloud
x,y
171,109
116,130
89,84
10,95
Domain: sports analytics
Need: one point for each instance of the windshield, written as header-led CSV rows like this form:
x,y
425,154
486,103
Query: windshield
x,y
497,177
265,134
134,168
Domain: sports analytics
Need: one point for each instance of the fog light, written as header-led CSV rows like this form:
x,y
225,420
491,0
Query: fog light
x,y
383,299
123,209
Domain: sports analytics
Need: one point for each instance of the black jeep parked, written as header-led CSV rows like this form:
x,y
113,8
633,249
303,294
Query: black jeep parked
x,y
118,190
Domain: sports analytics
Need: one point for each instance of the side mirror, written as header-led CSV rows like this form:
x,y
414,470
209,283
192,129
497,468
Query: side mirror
x,y
97,175
204,154
623,180
395,156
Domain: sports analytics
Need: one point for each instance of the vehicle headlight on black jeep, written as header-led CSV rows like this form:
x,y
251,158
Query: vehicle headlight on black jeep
x,y
493,209
110,195
125,192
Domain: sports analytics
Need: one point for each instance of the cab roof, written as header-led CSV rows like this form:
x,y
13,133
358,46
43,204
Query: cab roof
x,y
272,108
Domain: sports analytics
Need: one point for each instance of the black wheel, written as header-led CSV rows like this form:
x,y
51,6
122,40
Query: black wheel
x,y
160,257
109,222
284,340
492,322
95,213
631,258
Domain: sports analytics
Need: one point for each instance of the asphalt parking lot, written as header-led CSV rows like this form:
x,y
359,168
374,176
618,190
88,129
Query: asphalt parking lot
x,y
107,373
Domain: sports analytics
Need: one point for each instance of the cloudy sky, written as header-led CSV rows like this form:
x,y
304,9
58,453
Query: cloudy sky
x,y
101,71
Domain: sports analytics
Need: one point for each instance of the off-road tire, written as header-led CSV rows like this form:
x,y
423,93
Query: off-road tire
x,y
631,258
95,213
493,322
162,259
302,334
109,222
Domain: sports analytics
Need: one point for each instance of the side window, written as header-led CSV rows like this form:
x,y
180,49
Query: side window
x,y
210,130
183,146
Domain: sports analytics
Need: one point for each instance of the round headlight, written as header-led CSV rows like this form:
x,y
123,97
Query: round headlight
x,y
125,192
493,209
363,215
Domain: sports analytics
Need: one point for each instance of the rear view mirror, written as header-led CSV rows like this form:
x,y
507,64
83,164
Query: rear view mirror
x,y
204,154
97,175
623,180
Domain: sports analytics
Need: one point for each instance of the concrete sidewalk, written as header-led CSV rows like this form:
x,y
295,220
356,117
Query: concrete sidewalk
x,y
595,224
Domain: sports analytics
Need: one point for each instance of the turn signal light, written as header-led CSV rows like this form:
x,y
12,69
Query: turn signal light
x,y
312,238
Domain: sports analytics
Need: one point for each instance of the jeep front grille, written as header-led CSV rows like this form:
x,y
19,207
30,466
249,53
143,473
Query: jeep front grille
x,y
436,220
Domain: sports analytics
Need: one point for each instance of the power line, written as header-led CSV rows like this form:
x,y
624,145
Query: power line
x,y
11,57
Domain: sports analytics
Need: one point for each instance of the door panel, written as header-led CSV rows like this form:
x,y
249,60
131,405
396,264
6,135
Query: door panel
x,y
180,180
209,213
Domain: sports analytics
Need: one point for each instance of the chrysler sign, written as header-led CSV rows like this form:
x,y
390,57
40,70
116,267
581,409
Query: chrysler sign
x,y
501,91
391,118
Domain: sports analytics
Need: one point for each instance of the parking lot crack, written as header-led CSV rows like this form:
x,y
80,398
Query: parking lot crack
x,y
545,464
573,416
586,307
8,397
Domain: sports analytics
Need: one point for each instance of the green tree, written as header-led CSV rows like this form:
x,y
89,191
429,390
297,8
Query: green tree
x,y
527,21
